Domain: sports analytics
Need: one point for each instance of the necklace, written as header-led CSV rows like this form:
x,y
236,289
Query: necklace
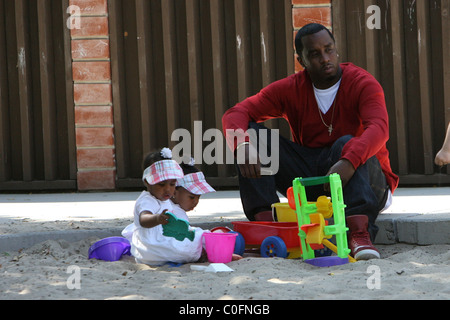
x,y
330,127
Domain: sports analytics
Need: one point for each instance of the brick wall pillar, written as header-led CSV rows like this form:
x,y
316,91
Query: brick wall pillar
x,y
310,11
93,96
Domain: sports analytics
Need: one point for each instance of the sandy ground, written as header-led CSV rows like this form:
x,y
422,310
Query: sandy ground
x,y
51,270
61,270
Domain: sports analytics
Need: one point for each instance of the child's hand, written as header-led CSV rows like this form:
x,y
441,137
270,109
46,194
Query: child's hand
x,y
163,218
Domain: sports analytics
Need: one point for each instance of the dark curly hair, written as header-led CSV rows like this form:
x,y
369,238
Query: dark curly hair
x,y
307,30
152,157
188,169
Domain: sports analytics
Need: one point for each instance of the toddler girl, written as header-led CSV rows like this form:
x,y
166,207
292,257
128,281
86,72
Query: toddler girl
x,y
189,189
188,192
148,244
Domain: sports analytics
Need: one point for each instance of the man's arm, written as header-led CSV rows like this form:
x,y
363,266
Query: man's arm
x,y
269,103
374,117
373,113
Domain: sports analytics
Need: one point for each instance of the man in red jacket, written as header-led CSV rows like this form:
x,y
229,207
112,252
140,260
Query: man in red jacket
x,y
339,123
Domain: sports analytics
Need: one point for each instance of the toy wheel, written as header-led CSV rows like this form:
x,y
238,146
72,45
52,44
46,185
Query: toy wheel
x,y
239,247
273,247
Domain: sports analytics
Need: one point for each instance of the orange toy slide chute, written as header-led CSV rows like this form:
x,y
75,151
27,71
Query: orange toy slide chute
x,y
291,199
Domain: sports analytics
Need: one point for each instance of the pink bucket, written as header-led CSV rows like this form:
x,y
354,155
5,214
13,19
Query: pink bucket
x,y
220,246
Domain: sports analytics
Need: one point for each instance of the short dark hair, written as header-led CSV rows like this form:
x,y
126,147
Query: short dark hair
x,y
188,169
307,30
152,157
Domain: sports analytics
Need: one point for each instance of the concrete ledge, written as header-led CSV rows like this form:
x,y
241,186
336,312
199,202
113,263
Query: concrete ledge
x,y
425,229
420,229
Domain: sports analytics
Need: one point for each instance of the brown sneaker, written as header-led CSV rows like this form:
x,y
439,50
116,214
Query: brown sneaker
x,y
359,241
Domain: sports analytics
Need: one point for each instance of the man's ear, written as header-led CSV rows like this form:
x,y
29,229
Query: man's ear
x,y
300,60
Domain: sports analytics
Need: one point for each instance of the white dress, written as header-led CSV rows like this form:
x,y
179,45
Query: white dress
x,y
150,246
179,212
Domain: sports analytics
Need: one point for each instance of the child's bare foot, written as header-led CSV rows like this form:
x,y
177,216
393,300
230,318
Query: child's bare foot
x,y
442,157
236,257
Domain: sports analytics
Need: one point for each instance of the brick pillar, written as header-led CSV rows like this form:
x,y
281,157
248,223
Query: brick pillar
x,y
310,11
93,97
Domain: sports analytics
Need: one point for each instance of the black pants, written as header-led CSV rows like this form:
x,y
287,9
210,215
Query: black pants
x,y
366,193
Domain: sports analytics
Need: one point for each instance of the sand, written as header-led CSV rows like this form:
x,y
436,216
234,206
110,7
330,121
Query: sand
x,y
51,270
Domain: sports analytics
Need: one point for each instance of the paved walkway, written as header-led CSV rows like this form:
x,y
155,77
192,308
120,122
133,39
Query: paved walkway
x,y
418,216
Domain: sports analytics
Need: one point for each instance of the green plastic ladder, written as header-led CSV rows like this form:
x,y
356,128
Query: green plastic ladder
x,y
304,209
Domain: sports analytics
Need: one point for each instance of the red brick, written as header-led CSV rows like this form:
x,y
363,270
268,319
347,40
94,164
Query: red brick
x,y
94,115
90,49
310,2
91,71
96,180
91,7
92,94
95,158
91,27
303,16
94,137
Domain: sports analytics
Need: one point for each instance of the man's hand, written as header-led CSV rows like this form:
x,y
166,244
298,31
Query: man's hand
x,y
248,161
345,169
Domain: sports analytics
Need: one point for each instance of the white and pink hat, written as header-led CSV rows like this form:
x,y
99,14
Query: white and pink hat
x,y
163,170
195,183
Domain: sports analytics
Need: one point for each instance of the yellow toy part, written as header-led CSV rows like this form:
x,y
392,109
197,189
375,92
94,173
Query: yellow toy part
x,y
325,207
333,248
284,213
315,230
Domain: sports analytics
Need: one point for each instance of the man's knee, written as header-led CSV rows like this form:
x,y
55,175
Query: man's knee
x,y
256,126
342,141
338,146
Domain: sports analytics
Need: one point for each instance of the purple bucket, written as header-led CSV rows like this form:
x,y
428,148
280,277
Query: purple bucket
x,y
110,249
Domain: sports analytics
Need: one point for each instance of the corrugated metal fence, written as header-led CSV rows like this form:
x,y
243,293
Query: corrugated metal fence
x,y
37,148
177,62
409,55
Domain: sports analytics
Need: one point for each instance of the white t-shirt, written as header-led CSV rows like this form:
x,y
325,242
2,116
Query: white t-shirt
x,y
325,98
147,202
150,246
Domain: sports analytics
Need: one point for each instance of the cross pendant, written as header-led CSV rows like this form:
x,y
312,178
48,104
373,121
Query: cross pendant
x,y
330,130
